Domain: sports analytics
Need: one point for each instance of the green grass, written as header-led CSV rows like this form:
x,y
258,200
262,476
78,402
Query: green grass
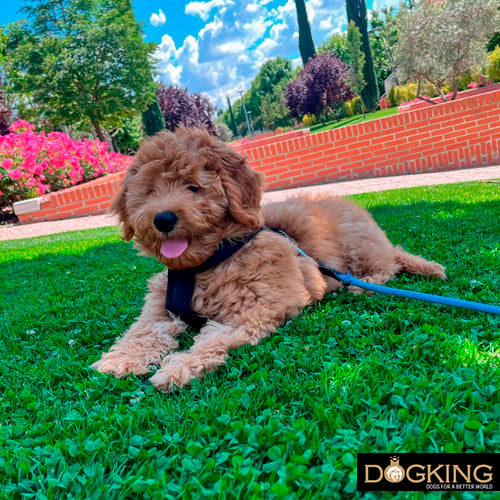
x,y
350,120
283,419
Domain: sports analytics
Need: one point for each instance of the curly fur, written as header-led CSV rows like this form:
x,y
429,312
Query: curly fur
x,y
256,290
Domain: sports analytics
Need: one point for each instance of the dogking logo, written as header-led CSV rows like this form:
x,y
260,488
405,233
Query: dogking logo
x,y
394,473
428,471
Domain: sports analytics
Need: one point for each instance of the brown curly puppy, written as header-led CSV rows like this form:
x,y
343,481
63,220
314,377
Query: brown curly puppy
x,y
185,197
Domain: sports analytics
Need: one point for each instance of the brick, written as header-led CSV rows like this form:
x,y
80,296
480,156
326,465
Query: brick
x,y
73,206
88,210
312,170
279,171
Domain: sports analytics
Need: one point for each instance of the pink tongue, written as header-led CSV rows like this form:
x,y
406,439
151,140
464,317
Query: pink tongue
x,y
174,248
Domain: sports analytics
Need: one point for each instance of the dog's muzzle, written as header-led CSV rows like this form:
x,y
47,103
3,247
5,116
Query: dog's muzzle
x,y
165,221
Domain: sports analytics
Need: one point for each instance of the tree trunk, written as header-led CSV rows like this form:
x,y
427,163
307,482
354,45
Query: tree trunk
x,y
98,131
306,43
362,106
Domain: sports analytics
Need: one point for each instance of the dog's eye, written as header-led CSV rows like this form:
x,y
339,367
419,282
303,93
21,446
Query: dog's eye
x,y
193,188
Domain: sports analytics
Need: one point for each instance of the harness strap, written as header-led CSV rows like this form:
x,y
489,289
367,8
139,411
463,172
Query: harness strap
x,y
181,283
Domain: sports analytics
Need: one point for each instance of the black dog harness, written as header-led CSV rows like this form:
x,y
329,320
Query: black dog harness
x,y
181,283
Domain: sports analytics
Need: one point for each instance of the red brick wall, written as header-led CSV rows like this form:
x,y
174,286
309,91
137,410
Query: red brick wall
x,y
459,134
447,136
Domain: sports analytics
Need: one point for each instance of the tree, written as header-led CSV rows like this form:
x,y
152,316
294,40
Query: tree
x,y
383,40
493,42
355,79
273,110
266,94
152,119
439,41
272,73
337,44
4,122
180,107
5,109
306,43
321,84
81,61
356,11
264,99
493,68
232,122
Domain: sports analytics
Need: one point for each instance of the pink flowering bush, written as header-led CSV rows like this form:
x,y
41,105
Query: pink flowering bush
x,y
34,163
481,82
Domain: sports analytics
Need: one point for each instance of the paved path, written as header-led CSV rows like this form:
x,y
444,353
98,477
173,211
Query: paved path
x,y
336,189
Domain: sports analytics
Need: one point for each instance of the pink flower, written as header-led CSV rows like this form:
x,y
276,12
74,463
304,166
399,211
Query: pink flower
x,y
15,174
7,163
21,126
43,162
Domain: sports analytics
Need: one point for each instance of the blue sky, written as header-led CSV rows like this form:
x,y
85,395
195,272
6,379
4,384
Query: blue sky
x,y
217,46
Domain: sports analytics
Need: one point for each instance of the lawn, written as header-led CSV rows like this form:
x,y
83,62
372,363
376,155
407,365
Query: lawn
x,y
284,419
350,120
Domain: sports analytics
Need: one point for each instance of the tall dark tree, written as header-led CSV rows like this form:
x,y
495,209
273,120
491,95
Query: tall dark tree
x,y
494,42
356,11
234,128
306,43
152,119
356,80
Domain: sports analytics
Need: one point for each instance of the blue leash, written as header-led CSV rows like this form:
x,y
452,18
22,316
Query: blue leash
x,y
348,279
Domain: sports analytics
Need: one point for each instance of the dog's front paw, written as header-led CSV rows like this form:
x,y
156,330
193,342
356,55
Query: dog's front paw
x,y
439,272
172,375
121,365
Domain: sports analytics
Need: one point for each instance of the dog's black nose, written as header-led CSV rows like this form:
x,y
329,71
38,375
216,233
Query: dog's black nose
x,y
165,221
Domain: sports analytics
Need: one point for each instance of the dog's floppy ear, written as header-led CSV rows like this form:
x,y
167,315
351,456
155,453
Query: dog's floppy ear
x,y
119,204
242,184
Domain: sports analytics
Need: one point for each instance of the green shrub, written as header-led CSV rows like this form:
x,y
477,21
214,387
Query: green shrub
x,y
493,69
309,120
353,107
402,93
391,96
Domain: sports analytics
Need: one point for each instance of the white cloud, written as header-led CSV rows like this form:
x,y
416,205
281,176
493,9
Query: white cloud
x,y
189,50
173,74
237,38
158,19
166,47
231,47
326,24
287,10
212,29
255,30
276,30
267,45
203,9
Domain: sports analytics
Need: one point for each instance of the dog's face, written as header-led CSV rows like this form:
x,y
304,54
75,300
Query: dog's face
x,y
184,193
